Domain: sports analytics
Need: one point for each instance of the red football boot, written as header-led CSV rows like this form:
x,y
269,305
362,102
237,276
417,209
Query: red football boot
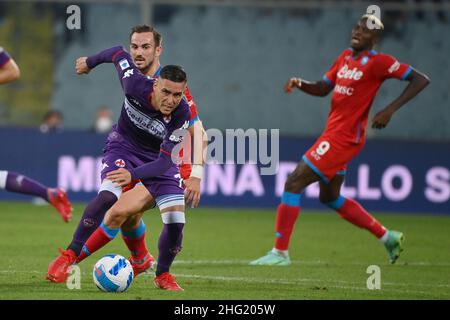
x,y
58,269
166,281
58,199
143,265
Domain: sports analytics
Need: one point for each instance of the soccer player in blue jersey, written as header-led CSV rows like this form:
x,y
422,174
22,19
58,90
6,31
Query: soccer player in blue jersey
x,y
19,183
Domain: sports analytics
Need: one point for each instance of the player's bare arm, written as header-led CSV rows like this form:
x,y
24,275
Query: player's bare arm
x,y
9,72
417,82
318,88
192,185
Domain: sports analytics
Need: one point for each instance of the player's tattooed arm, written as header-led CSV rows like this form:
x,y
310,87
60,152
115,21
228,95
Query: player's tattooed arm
x,y
417,82
319,88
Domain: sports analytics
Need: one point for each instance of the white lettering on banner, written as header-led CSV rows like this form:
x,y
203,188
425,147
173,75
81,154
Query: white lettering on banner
x,y
438,185
222,177
249,180
348,192
76,177
364,190
402,173
283,171
395,184
313,190
98,175
227,181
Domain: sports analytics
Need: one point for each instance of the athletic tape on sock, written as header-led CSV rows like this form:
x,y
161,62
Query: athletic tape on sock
x,y
173,217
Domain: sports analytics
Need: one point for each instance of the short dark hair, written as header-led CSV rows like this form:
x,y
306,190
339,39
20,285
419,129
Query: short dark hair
x,y
173,73
145,28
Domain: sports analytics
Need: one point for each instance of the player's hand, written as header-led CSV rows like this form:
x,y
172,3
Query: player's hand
x,y
81,66
120,176
381,119
192,191
291,85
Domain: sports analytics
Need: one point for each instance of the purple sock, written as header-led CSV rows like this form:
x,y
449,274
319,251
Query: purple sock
x,y
92,217
16,182
169,244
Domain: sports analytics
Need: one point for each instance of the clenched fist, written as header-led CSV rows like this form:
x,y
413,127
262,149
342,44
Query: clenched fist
x,y
81,66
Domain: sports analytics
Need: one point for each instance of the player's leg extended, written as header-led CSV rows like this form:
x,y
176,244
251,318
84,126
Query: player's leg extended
x,y
170,240
287,214
18,183
94,213
129,203
58,269
353,212
134,234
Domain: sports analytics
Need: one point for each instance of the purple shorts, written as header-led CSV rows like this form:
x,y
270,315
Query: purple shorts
x,y
120,153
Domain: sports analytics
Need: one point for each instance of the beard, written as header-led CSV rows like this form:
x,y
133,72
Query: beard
x,y
144,68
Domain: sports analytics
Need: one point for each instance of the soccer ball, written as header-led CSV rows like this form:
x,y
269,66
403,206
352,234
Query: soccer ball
x,y
113,273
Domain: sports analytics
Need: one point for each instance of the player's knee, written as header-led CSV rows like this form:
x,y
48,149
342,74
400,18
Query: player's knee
x,y
293,183
118,214
327,198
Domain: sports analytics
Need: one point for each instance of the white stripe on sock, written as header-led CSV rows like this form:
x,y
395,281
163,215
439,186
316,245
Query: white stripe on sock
x,y
173,217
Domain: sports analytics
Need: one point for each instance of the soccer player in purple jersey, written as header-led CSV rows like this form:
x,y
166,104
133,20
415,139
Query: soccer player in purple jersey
x,y
145,50
16,182
141,143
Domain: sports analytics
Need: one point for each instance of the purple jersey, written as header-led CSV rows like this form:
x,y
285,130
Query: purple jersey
x,y
140,125
4,57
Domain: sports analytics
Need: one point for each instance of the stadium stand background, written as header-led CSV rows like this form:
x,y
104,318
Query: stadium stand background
x,y
237,58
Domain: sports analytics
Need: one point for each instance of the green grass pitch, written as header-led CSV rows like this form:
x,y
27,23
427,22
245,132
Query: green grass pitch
x,y
330,257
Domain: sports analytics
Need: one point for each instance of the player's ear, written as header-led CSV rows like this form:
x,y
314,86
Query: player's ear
x,y
158,51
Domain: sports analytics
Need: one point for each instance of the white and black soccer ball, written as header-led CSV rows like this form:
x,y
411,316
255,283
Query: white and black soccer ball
x,y
113,273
